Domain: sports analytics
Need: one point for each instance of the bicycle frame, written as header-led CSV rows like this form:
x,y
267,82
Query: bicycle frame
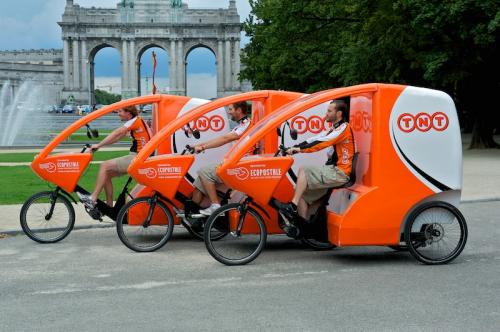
x,y
389,123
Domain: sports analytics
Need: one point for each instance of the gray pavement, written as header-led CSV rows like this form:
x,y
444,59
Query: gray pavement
x,y
91,282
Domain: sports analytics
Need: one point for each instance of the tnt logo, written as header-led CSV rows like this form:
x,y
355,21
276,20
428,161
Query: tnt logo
x,y
361,121
314,124
214,123
423,122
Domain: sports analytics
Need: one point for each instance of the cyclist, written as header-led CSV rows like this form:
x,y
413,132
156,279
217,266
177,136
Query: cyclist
x,y
140,133
313,182
207,180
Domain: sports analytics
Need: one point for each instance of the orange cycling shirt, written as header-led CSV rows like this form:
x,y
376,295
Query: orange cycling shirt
x,y
139,131
340,143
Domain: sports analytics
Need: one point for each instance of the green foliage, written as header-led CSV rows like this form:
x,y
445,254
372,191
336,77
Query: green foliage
x,y
311,45
106,98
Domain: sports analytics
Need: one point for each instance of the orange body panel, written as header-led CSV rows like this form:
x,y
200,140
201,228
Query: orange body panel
x,y
68,179
63,170
163,173
375,217
256,177
376,208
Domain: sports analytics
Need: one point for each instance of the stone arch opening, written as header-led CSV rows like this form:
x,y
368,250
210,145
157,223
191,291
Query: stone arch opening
x,y
105,60
145,69
201,72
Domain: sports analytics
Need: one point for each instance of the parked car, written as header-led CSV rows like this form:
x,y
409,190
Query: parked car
x,y
69,109
59,108
84,109
50,108
147,108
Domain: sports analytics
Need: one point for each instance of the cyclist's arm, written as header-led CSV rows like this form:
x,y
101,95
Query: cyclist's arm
x,y
114,137
219,141
322,142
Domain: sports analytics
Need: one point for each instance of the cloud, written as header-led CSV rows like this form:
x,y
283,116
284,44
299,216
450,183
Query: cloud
x,y
40,30
27,24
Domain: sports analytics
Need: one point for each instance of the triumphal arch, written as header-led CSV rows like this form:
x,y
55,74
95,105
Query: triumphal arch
x,y
136,25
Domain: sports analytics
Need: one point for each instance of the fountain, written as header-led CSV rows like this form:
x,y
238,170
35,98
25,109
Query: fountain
x,y
23,121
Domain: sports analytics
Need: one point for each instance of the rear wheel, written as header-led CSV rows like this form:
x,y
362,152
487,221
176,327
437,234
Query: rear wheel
x,y
233,238
134,230
436,233
47,217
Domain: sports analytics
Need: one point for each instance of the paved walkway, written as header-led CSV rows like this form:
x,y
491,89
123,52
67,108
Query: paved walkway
x,y
481,182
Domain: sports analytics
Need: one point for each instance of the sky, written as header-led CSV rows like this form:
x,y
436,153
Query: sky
x,y
32,24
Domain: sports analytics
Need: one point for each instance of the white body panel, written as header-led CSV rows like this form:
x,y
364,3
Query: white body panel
x,y
207,132
425,133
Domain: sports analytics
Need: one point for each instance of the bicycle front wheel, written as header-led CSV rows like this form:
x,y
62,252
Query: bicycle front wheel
x,y
232,238
139,234
47,217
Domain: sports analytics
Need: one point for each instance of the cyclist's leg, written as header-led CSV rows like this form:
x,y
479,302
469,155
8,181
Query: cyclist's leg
x,y
198,195
210,188
206,183
300,187
109,169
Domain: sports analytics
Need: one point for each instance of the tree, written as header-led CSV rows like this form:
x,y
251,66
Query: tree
x,y
447,45
106,98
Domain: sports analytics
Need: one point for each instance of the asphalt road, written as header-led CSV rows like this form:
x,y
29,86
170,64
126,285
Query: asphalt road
x,y
91,282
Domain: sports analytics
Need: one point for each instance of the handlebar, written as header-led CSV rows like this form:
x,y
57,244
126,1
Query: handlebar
x,y
189,149
85,147
282,150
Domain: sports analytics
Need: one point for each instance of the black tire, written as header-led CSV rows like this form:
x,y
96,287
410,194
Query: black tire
x,y
197,235
34,214
232,249
434,226
136,236
318,245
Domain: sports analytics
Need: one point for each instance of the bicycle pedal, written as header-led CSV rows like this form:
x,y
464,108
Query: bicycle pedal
x,y
95,214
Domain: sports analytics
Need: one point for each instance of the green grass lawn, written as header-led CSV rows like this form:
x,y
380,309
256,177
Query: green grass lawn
x,y
28,156
19,182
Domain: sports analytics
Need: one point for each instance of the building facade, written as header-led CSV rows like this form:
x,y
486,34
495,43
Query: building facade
x,y
131,28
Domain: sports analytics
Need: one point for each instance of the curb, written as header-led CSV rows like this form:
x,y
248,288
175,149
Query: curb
x,y
14,232
480,200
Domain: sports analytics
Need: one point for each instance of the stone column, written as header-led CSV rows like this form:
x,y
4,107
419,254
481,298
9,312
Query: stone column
x,y
236,68
132,70
84,66
172,68
220,68
125,76
76,65
181,68
66,69
227,67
